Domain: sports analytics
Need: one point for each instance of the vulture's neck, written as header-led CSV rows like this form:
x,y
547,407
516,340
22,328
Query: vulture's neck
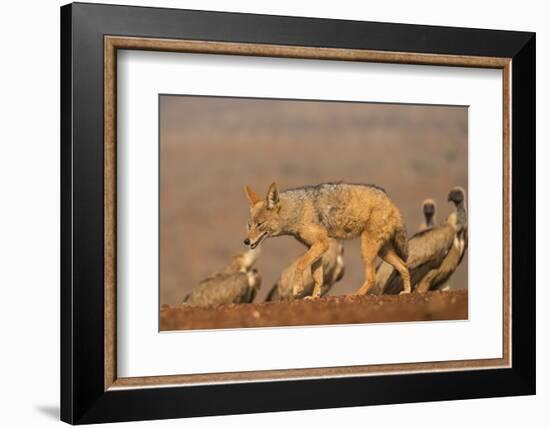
x,y
461,214
430,220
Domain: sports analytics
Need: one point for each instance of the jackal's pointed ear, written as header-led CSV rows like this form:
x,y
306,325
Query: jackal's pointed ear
x,y
253,198
272,198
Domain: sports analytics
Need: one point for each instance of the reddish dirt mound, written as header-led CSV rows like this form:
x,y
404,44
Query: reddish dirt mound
x,y
436,305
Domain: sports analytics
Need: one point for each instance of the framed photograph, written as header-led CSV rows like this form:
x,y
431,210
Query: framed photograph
x,y
266,213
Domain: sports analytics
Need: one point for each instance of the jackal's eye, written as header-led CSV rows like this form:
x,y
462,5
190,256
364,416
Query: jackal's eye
x,y
260,224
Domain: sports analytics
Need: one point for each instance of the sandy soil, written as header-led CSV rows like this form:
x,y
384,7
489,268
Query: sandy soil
x,y
435,305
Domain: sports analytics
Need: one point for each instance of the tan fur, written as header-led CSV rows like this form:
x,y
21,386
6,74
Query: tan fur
x,y
332,210
252,196
385,270
333,271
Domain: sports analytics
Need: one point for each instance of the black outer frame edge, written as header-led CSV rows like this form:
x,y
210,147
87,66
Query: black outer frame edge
x,y
83,398
524,213
300,31
66,315
178,402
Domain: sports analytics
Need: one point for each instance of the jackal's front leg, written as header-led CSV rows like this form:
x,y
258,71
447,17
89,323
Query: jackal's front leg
x,y
314,253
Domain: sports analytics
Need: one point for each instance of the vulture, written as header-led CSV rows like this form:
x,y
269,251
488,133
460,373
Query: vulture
x,y
333,271
237,283
428,210
439,278
434,254
224,288
243,261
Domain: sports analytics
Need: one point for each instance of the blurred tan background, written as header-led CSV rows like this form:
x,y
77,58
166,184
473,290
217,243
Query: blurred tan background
x,y
210,147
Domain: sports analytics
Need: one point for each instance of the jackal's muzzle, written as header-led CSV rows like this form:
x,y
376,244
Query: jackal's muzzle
x,y
254,242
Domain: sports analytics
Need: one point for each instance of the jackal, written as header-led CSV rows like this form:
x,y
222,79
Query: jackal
x,y
333,271
313,214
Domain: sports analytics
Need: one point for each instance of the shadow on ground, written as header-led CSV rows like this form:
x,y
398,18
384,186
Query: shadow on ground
x,y
49,410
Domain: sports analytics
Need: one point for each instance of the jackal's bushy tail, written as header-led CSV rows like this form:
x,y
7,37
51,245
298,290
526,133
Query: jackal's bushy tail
x,y
401,243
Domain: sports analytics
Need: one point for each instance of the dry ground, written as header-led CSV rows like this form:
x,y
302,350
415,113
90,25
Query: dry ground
x,y
435,305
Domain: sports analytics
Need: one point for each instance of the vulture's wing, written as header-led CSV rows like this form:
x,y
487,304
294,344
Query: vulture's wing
x,y
384,272
219,289
465,238
427,249
273,294
430,246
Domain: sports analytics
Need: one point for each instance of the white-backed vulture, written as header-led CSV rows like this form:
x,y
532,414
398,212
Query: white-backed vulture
x,y
434,253
333,271
243,261
438,278
236,283
224,288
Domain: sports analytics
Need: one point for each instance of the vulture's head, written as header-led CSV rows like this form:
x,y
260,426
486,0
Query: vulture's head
x,y
254,279
242,262
456,195
428,207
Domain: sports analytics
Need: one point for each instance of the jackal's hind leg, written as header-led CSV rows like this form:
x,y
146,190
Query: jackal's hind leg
x,y
317,275
389,255
369,250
